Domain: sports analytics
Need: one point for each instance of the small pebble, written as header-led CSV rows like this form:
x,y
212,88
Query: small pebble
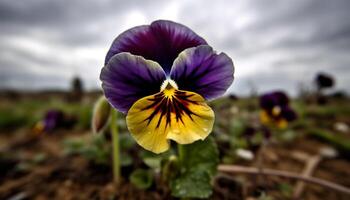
x,y
341,127
328,152
245,154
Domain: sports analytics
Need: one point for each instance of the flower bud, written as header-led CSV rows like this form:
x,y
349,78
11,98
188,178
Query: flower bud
x,y
100,115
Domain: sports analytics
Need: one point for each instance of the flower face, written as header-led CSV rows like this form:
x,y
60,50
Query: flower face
x,y
160,75
276,110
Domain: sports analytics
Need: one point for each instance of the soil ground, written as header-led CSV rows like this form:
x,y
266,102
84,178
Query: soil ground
x,y
73,177
37,168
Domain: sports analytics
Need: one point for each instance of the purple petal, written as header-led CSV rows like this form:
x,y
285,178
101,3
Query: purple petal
x,y
53,119
161,41
288,114
201,70
127,78
272,99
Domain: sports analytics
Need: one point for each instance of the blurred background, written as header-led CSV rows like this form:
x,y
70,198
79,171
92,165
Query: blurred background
x,y
274,44
52,53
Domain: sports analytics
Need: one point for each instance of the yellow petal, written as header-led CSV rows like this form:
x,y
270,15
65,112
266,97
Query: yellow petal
x,y
282,124
173,114
268,120
264,117
39,128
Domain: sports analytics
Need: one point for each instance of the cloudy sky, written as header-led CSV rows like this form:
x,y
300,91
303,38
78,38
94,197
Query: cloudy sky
x,y
274,44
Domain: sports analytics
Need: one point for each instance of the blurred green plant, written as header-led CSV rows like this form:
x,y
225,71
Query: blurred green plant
x,y
27,113
96,150
141,178
12,119
338,141
286,189
126,141
26,165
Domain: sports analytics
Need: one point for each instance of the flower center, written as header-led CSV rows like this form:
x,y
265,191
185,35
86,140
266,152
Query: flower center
x,y
276,110
169,92
169,86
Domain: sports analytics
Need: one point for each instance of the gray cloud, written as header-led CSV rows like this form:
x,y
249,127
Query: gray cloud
x,y
274,44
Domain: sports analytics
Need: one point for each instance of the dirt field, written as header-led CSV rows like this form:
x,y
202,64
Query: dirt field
x,y
39,167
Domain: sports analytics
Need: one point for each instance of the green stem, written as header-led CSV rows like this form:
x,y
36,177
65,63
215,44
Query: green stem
x,y
180,151
115,146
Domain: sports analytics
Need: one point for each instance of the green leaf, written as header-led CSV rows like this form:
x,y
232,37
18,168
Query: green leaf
x,y
194,184
153,160
201,156
141,178
198,166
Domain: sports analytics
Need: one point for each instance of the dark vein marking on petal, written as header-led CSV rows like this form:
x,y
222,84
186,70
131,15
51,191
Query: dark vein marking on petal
x,y
165,105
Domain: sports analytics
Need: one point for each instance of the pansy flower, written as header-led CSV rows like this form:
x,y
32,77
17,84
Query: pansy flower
x,y
276,110
160,75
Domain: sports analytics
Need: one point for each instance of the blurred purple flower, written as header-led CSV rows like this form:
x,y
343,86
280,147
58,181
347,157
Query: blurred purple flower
x,y
52,120
276,110
270,100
